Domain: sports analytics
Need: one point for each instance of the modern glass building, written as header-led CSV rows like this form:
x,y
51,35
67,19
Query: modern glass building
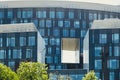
x,y
20,42
103,48
58,22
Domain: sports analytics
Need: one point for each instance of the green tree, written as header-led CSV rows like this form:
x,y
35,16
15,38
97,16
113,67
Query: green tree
x,y
32,71
90,76
7,74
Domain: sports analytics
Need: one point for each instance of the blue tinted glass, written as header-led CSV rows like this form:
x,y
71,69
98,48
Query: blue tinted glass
x,y
83,33
98,64
57,41
72,33
27,14
98,51
49,50
35,22
22,41
1,41
42,32
56,32
67,23
65,33
17,54
55,59
60,23
116,51
10,14
57,50
19,14
110,51
41,14
84,24
28,53
49,59
11,64
58,67
9,54
48,23
111,76
11,41
52,14
2,54
76,24
113,62
115,38
71,14
99,16
52,41
31,40
46,41
42,23
1,14
60,14
97,74
51,67
103,38
79,14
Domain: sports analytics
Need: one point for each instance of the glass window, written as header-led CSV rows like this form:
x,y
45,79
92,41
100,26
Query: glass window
x,y
110,50
103,38
49,50
84,24
17,53
72,33
99,16
112,62
60,23
51,67
28,53
41,14
49,59
10,14
116,50
57,50
55,59
48,23
52,14
56,32
98,51
46,41
22,41
76,24
1,14
2,54
31,41
27,13
58,67
65,33
10,41
35,21
19,14
98,64
42,32
71,14
9,54
115,38
52,41
67,23
90,16
97,74
111,76
79,14
11,64
83,33
57,41
1,41
60,14
42,23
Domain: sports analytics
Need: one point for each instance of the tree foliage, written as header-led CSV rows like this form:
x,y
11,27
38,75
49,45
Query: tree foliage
x,y
7,74
90,76
32,71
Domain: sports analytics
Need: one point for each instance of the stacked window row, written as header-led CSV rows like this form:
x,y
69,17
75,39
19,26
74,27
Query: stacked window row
x,y
12,40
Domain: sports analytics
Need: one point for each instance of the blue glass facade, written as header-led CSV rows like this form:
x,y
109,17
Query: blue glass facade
x,y
104,54
55,23
16,47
